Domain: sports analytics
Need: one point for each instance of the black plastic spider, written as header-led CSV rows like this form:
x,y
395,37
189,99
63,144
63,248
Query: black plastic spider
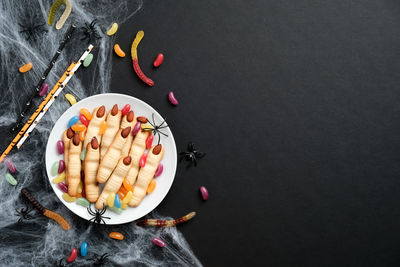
x,y
32,31
192,155
97,214
156,129
101,260
24,214
90,32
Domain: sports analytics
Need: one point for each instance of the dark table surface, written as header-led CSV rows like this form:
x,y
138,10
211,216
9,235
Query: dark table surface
x,y
296,104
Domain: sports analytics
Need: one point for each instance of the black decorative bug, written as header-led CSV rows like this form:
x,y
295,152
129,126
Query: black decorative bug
x,y
32,31
90,32
192,155
97,214
156,129
101,260
24,214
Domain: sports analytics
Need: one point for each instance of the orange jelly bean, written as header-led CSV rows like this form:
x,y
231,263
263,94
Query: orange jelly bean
x,y
128,186
116,235
119,51
78,127
151,187
122,192
103,127
82,135
85,112
25,67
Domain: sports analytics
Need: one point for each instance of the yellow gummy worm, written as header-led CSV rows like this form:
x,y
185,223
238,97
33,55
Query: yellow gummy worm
x,y
64,16
138,38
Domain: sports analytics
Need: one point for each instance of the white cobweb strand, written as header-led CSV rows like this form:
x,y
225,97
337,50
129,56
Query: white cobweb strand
x,y
40,241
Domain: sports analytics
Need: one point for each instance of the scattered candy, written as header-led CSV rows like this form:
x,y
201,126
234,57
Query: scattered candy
x,y
122,192
116,210
172,98
54,168
63,187
84,249
204,192
147,127
60,147
61,166
59,178
159,60
117,201
80,187
116,235
73,120
119,51
127,198
135,60
82,135
68,198
64,16
103,127
113,29
88,60
166,223
124,206
25,67
149,140
83,120
127,185
142,161
158,242
73,255
136,128
159,170
83,154
10,179
44,89
83,202
78,127
110,200
85,112
151,187
125,109
71,99
11,166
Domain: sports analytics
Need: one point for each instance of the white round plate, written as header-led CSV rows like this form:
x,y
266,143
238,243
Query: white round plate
x,y
140,108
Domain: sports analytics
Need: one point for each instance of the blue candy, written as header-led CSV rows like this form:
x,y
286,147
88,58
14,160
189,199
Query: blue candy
x,y
84,249
117,201
72,121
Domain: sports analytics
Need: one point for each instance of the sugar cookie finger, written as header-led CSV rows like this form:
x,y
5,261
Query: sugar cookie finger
x,y
137,149
74,165
113,121
99,115
92,162
128,120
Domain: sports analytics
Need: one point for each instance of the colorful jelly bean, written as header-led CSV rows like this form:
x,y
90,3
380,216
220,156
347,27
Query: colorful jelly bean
x,y
83,120
60,147
85,112
68,198
73,120
172,98
80,187
25,67
110,200
159,170
128,197
151,187
63,187
124,206
54,168
83,202
115,209
71,99
127,185
83,154
119,51
84,249
103,127
149,140
88,60
59,178
10,179
11,166
82,135
116,235
73,255
125,109
61,166
78,127
117,201
122,192
158,242
136,128
44,89
159,59
204,192
142,161
113,29
147,126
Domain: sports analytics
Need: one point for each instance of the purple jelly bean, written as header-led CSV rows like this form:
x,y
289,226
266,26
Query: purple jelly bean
x,y
44,89
172,98
11,166
159,170
61,166
63,187
158,242
60,147
136,129
204,192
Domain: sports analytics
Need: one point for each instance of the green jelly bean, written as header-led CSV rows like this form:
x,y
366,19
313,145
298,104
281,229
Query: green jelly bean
x,y
83,154
115,209
54,168
11,179
88,60
83,202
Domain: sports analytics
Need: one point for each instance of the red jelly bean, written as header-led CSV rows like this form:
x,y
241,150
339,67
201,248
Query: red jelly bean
x,y
136,129
83,120
60,147
126,109
149,141
159,60
61,166
73,255
204,192
158,242
63,187
142,161
11,166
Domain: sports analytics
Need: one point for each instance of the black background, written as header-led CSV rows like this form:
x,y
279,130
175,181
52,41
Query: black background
x,y
296,105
